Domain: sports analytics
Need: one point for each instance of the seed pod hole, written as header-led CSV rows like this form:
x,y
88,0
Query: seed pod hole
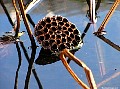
x,y
52,41
45,30
50,32
37,33
70,30
58,42
61,47
72,26
53,29
60,23
76,31
59,27
54,47
48,19
63,35
53,19
74,42
41,38
69,39
43,23
77,38
72,35
67,25
53,36
63,40
54,24
64,28
48,25
47,36
58,32
40,27
65,20
59,18
68,45
46,43
66,32
58,36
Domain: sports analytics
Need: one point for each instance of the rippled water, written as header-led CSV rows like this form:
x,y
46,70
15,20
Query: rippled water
x,y
102,59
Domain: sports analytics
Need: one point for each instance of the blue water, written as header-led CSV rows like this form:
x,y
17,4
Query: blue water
x,y
55,76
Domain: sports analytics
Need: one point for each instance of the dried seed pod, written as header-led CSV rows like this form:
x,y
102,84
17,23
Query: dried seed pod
x,y
57,33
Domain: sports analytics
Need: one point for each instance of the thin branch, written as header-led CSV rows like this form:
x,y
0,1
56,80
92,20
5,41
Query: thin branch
x,y
33,44
33,70
115,46
17,27
30,20
85,30
7,13
108,16
29,31
19,64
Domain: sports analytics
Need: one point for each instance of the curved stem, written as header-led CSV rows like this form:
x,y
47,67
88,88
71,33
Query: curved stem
x,y
62,57
88,72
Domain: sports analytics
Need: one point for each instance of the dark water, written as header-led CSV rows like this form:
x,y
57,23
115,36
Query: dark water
x,y
102,59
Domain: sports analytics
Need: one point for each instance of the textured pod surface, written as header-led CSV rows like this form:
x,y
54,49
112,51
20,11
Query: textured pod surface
x,y
55,34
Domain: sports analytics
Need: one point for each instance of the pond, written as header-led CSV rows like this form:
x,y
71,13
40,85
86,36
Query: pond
x,y
101,58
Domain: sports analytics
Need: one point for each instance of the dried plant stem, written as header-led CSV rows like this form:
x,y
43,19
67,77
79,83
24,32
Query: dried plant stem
x,y
108,16
115,46
6,12
29,31
88,72
33,69
19,64
33,44
85,30
17,27
30,20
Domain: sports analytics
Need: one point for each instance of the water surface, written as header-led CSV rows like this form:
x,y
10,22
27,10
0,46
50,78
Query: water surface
x,y
101,58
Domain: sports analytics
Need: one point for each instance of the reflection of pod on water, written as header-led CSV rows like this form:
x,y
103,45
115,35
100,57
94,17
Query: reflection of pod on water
x,y
46,57
60,34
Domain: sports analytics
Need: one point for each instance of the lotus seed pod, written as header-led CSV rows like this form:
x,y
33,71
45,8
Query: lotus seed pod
x,y
57,33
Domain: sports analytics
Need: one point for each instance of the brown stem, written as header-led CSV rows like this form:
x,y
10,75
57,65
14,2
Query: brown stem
x,y
62,57
19,64
29,31
88,72
17,27
6,12
116,3
33,69
109,42
33,44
